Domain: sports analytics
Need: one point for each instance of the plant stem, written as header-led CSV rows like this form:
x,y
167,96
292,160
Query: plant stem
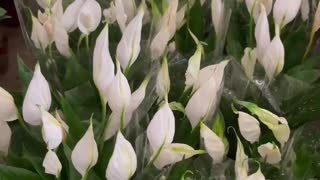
x,y
122,120
309,45
87,43
50,51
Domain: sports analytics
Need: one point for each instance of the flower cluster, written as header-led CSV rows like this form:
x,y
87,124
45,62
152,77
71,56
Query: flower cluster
x,y
192,126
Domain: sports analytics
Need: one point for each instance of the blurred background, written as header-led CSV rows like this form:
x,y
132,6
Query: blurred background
x,y
11,44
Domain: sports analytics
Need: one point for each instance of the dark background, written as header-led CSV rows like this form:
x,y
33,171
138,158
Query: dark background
x,y
11,44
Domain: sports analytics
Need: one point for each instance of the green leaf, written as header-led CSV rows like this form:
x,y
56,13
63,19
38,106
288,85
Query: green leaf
x,y
25,74
75,75
12,173
72,172
219,129
72,119
196,20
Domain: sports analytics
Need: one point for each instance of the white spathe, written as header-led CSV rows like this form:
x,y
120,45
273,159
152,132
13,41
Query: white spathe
x,y
85,154
254,7
262,34
257,175
5,137
39,34
284,11
119,92
89,16
174,153
129,46
305,9
61,39
273,59
52,164
204,101
37,96
217,13
241,163
161,129
8,110
213,144
249,127
70,16
103,66
270,153
52,131
123,162
45,3
248,62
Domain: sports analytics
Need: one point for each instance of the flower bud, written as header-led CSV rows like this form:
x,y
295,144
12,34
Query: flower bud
x,y
241,163
123,162
39,34
52,131
270,153
70,16
163,80
37,96
262,34
8,110
249,127
61,39
85,154
248,62
217,12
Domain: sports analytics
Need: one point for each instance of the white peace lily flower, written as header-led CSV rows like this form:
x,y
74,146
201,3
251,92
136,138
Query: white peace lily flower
x,y
64,126
163,80
52,164
213,144
278,125
257,175
129,46
173,153
52,131
241,164
180,16
316,21
194,64
123,162
249,127
305,9
45,3
70,16
248,62
8,110
273,59
85,154
57,9
161,129
39,34
204,101
217,12
129,8
115,118
119,92
103,66
5,137
166,32
284,12
270,153
121,15
61,39
262,34
110,13
254,7
42,17
37,96
89,16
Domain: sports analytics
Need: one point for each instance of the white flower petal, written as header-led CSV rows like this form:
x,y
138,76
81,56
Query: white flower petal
x,y
249,127
85,154
248,62
103,66
305,9
121,16
45,3
52,131
8,111
110,14
257,176
262,34
284,12
89,16
39,34
161,129
57,9
316,21
204,101
114,124
61,39
173,153
37,95
138,96
257,9
217,12
241,163
129,46
270,152
52,164
123,162
5,137
159,43
119,93
193,67
70,16
213,144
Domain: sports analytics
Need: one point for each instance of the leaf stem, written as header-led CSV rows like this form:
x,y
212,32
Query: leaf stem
x,y
309,45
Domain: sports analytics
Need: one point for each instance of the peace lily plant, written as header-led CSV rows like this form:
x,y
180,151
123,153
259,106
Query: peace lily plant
x,y
162,89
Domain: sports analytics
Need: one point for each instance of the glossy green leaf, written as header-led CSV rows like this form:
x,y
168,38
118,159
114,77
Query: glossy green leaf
x,y
13,173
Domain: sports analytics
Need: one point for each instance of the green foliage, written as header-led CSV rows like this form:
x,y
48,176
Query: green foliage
x,y
3,14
